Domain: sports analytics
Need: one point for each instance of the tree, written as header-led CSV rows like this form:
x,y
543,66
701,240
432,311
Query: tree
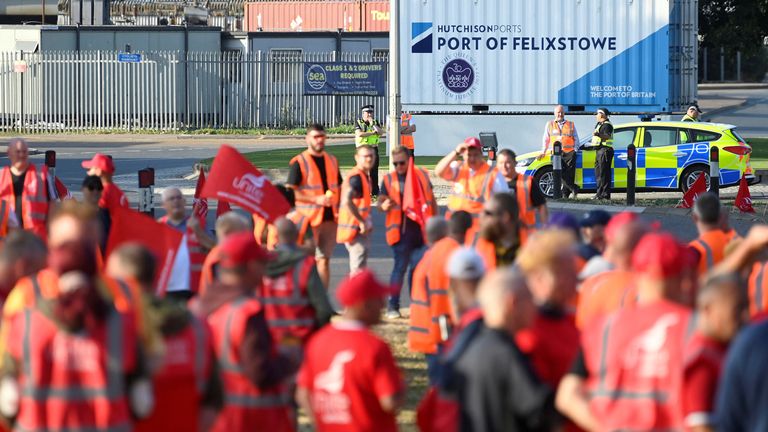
x,y
736,25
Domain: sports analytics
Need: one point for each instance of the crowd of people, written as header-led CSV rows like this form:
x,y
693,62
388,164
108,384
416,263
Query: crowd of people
x,y
527,321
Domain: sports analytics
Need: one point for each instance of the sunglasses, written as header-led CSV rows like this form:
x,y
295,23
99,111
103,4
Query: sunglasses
x,y
399,163
490,213
94,188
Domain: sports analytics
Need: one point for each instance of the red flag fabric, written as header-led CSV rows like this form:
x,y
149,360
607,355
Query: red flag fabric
x,y
163,241
232,178
61,190
222,208
698,188
200,205
415,204
743,197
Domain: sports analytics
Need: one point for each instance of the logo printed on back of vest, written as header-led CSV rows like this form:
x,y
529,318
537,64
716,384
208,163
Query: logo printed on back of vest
x,y
646,353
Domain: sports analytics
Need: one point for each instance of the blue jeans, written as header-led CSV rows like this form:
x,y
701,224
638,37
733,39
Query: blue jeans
x,y
407,256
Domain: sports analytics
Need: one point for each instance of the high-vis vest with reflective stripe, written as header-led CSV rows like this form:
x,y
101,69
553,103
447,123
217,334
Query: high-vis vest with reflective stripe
x,y
298,219
196,255
74,382
564,135
406,139
348,225
34,198
635,363
285,299
423,332
394,219
371,140
181,382
438,280
711,247
758,288
246,407
596,141
526,211
471,191
312,185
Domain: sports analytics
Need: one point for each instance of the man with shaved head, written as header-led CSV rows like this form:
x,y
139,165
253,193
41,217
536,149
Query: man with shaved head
x,y
563,131
26,190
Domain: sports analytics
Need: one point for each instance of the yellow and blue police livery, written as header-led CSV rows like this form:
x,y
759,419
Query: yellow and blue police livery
x,y
670,155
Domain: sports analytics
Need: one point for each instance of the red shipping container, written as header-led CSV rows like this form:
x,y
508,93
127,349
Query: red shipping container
x,y
356,15
376,16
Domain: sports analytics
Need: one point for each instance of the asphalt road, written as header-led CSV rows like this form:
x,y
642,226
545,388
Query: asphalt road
x,y
749,118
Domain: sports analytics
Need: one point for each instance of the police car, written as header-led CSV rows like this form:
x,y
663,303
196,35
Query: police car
x,y
670,156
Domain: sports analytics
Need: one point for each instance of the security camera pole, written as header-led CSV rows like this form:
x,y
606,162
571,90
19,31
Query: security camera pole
x,y
393,123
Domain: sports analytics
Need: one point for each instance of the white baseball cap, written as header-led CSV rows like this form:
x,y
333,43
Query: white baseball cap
x,y
465,264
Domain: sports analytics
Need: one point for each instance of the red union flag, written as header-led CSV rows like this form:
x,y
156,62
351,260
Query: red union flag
x,y
697,188
232,178
200,205
222,208
415,203
130,226
743,198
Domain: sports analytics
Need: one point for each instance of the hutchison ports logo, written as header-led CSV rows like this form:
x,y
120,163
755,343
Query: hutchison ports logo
x,y
421,37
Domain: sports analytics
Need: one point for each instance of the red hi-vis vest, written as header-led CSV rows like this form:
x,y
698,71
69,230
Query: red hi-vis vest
x,y
289,313
406,140
312,184
348,225
526,211
394,219
471,191
197,256
180,384
564,135
246,407
635,360
5,214
34,198
758,289
207,275
73,382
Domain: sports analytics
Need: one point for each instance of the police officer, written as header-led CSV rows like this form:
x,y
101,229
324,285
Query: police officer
x,y
367,132
692,115
602,142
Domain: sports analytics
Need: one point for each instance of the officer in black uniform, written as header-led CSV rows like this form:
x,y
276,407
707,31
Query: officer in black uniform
x,y
602,142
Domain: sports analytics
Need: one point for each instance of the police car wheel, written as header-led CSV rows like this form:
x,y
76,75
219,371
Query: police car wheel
x,y
692,174
545,181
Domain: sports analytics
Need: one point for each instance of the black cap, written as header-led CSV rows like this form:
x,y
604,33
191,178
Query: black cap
x,y
595,217
367,108
605,111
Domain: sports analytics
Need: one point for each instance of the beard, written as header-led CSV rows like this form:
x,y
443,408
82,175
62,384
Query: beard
x,y
491,232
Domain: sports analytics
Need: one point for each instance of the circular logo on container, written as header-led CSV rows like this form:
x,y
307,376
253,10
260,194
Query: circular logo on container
x,y
458,75
316,77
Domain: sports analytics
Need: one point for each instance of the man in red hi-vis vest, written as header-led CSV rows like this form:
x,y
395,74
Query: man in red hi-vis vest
x,y
227,224
256,396
198,241
185,375
75,357
27,189
630,371
349,380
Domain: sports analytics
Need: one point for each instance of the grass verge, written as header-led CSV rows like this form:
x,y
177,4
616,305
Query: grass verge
x,y
759,157
342,129
279,158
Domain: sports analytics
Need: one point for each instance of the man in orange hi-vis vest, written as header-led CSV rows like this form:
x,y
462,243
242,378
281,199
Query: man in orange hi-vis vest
x,y
355,211
404,235
407,128
563,131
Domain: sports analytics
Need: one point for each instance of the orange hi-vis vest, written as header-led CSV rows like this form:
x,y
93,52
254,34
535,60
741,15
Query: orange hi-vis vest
x,y
423,332
471,191
758,289
406,139
394,219
73,382
564,135
527,213
635,361
312,184
285,299
348,225
711,247
487,251
299,219
34,198
207,274
180,384
604,293
196,255
246,407
438,280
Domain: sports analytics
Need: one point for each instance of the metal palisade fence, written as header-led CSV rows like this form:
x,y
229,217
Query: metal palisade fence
x,y
168,91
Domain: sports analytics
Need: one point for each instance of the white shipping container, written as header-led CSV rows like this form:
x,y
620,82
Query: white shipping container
x,y
633,56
